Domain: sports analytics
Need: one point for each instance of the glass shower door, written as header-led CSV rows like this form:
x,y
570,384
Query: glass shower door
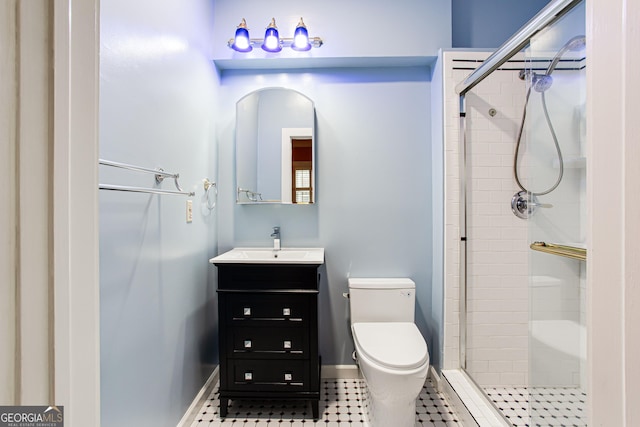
x,y
554,169
496,295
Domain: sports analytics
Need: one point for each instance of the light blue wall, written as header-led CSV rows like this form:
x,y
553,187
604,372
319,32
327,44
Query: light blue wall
x,y
157,299
489,23
373,210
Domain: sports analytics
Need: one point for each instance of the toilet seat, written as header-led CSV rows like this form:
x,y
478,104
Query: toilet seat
x,y
395,345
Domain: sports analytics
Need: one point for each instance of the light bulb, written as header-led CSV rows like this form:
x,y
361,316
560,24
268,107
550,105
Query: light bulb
x,y
271,38
301,37
242,42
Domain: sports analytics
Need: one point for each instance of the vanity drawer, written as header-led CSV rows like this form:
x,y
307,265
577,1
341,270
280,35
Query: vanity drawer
x,y
246,277
268,343
272,375
280,308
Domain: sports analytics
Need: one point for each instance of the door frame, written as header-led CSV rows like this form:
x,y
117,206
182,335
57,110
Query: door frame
x,y
75,210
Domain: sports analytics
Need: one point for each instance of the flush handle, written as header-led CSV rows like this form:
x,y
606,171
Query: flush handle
x,y
288,376
248,376
246,311
287,344
247,343
286,311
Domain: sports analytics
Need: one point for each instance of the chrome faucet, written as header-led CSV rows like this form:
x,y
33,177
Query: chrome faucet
x,y
276,238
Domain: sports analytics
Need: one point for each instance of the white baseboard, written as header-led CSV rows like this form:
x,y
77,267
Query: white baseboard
x,y
437,380
340,372
203,394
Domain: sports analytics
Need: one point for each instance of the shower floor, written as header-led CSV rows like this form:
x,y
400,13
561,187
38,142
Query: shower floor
x,y
551,406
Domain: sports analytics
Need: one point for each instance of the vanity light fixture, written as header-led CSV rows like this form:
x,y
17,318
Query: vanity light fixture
x,y
272,41
242,42
301,37
272,38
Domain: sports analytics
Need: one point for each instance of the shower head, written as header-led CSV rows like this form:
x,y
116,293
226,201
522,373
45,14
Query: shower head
x,y
542,82
538,82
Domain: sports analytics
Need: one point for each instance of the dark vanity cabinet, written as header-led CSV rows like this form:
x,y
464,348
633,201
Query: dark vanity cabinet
x,y
268,317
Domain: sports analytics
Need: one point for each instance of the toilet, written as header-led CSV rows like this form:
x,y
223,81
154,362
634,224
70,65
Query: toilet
x,y
390,350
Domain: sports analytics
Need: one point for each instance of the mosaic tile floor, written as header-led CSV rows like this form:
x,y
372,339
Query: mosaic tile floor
x,y
340,405
551,406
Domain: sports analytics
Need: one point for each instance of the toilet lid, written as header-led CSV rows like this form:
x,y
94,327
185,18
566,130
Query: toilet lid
x,y
397,345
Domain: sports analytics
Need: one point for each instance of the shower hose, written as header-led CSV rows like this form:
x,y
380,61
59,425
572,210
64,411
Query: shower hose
x,y
555,141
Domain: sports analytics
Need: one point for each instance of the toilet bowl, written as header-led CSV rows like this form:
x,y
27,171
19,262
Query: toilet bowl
x,y
391,352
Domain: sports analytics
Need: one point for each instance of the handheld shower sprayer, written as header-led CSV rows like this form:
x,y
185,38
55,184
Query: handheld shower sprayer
x,y
542,82
574,44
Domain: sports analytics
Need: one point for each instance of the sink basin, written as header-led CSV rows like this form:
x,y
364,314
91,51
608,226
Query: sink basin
x,y
269,256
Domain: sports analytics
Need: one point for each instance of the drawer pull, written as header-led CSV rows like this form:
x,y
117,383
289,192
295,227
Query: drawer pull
x,y
247,343
287,344
286,312
246,311
288,376
248,376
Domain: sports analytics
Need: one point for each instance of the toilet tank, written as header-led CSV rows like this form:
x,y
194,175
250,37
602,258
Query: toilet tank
x,y
382,300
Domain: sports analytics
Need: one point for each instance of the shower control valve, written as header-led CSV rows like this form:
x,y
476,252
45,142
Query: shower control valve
x,y
524,204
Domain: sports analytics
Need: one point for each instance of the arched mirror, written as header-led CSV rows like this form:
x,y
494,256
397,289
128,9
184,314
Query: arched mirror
x,y
275,146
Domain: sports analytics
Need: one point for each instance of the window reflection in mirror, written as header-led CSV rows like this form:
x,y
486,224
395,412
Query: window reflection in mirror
x,y
301,168
275,148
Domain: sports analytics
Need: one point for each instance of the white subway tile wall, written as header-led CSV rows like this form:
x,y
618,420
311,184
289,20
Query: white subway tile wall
x,y
497,312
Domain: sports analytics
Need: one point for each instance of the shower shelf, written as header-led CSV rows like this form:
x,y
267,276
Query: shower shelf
x,y
561,250
572,163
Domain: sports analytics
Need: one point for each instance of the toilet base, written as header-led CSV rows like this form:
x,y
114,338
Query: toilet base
x,y
389,413
390,396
